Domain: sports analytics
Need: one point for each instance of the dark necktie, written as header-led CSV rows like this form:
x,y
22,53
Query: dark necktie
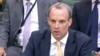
x,y
92,27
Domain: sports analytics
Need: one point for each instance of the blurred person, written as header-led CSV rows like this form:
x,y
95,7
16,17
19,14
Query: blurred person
x,y
86,18
12,28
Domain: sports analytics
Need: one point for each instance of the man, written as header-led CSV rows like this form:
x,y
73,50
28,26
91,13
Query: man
x,y
11,31
59,40
85,19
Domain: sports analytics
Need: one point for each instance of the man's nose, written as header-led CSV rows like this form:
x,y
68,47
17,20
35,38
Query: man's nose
x,y
57,25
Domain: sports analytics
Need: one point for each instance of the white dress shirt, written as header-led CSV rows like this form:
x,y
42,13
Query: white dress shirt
x,y
53,47
34,19
93,3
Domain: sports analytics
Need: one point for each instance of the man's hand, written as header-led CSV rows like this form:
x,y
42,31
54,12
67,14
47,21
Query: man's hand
x,y
2,51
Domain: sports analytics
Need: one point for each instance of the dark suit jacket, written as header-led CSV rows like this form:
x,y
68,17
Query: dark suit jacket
x,y
13,16
39,44
81,13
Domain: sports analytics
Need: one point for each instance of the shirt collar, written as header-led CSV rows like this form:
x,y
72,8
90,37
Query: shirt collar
x,y
63,40
31,1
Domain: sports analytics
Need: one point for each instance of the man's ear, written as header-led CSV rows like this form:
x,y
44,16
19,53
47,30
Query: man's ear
x,y
70,22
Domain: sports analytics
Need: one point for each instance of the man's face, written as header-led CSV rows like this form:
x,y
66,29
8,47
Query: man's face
x,y
59,22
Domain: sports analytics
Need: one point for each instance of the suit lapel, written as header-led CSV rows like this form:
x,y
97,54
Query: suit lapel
x,y
88,7
40,13
84,10
19,15
45,44
19,11
70,45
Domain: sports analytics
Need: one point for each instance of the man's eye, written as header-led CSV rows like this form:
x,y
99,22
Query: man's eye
x,y
62,21
53,21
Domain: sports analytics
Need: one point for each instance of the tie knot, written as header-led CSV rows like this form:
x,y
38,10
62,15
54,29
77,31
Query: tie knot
x,y
28,3
28,6
58,43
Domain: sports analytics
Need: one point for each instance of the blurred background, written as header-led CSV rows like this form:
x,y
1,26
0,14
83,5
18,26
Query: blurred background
x,y
2,4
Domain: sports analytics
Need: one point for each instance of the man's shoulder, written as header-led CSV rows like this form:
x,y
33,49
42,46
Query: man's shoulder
x,y
40,33
81,39
80,36
37,36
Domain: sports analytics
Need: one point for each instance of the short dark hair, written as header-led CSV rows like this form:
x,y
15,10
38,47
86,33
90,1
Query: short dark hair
x,y
60,5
